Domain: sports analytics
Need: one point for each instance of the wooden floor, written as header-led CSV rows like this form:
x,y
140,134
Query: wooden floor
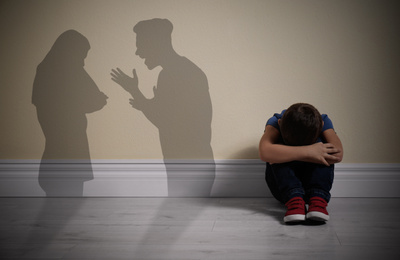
x,y
194,228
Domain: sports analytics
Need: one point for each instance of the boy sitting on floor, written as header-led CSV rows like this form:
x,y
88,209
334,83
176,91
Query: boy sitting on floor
x,y
301,147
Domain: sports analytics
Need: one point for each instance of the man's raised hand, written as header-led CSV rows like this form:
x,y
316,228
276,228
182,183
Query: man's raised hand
x,y
130,84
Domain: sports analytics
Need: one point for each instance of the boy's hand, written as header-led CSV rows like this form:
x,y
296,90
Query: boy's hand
x,y
322,153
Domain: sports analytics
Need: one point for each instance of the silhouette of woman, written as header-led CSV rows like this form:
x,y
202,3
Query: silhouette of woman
x,y
63,92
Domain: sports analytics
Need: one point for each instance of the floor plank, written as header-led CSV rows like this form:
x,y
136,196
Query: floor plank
x,y
193,228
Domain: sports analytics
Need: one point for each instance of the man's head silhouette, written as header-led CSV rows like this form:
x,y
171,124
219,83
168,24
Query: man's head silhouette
x,y
153,41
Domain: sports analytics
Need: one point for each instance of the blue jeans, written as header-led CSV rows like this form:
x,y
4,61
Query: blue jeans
x,y
299,179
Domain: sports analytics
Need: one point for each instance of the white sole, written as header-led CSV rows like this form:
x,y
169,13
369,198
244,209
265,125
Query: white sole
x,y
317,216
294,218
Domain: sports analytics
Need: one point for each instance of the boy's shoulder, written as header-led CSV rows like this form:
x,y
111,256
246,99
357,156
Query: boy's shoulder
x,y
327,122
273,121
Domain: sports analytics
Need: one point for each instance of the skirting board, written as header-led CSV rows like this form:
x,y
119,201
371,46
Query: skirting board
x,y
185,178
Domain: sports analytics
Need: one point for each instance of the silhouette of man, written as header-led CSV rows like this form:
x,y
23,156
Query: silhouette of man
x,y
181,108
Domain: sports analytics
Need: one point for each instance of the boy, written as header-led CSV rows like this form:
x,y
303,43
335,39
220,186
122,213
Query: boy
x,y
301,147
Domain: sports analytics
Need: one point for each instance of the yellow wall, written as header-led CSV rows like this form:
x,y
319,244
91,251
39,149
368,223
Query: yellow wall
x,y
259,57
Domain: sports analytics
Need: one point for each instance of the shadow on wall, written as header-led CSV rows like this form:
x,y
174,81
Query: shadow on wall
x,y
63,93
181,108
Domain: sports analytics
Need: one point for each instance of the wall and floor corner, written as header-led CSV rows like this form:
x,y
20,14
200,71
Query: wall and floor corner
x,y
148,178
244,61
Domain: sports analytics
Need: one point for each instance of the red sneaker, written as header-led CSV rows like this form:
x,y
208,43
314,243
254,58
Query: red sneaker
x,y
296,211
317,209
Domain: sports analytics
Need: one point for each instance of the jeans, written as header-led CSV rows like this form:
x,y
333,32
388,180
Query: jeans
x,y
299,179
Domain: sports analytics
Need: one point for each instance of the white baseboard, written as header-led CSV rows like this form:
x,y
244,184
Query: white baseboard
x,y
191,178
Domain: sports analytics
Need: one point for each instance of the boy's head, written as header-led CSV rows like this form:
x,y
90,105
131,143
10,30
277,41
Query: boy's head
x,y
301,124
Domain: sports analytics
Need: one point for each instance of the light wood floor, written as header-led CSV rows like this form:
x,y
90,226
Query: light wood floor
x,y
194,228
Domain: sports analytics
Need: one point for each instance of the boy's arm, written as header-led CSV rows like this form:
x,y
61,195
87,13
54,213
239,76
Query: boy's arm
x,y
273,152
331,137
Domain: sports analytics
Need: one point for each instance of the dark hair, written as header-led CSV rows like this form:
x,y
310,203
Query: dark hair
x,y
161,28
301,124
